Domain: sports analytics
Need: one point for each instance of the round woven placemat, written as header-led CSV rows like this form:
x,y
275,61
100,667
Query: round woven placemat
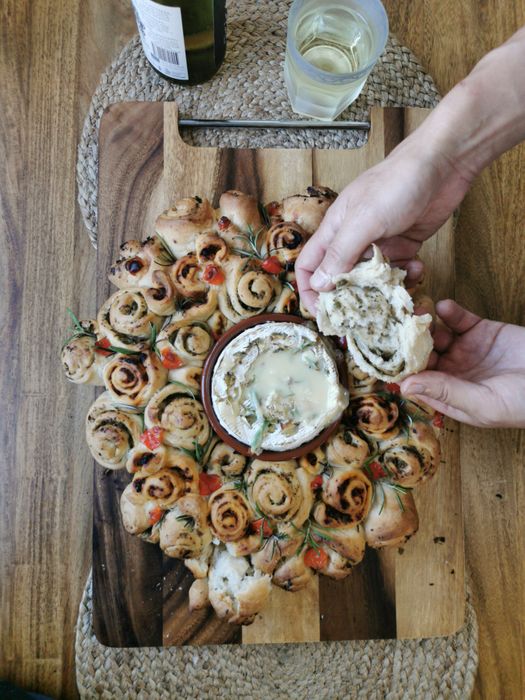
x,y
249,85
422,669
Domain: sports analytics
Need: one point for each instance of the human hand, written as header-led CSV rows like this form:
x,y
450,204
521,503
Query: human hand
x,y
397,204
477,373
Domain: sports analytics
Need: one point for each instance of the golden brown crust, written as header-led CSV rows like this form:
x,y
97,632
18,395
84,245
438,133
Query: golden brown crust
x,y
346,448
126,321
82,363
392,519
183,222
241,209
210,248
133,379
413,458
278,491
375,415
180,416
293,574
230,514
225,462
313,462
191,342
285,241
248,290
308,210
184,532
349,491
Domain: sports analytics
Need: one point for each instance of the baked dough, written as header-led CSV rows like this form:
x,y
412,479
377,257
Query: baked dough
x,y
371,307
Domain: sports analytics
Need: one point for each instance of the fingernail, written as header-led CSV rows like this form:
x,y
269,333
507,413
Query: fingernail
x,y
320,279
417,389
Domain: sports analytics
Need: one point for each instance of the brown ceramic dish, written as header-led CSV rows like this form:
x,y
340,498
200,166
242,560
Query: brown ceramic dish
x,y
207,374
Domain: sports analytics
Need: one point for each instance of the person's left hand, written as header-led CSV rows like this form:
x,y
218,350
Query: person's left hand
x,y
477,373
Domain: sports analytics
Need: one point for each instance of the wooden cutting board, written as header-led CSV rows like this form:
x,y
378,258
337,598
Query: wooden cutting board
x,y
140,596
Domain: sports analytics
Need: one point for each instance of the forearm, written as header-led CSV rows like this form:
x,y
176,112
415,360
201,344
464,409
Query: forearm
x,y
481,117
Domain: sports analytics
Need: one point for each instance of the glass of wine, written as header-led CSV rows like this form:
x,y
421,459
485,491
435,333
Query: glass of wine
x,y
331,47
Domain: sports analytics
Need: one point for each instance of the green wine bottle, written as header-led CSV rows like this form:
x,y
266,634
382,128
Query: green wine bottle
x,y
184,40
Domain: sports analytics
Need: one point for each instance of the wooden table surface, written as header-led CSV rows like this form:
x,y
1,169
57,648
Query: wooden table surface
x,y
51,55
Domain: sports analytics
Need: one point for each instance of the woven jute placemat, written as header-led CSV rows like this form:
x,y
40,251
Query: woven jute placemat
x,y
250,85
422,669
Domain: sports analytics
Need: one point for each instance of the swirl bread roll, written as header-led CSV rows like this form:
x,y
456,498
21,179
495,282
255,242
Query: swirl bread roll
x,y
338,567
183,222
230,514
411,460
308,210
133,379
273,550
197,308
137,263
237,592
126,320
346,448
358,381
293,574
348,540
286,303
188,376
161,297
280,491
139,518
248,290
241,209
210,248
191,342
184,532
141,459
393,517
218,323
111,432
313,462
370,306
350,492
375,416
186,275
225,462
82,363
180,416
286,240
178,476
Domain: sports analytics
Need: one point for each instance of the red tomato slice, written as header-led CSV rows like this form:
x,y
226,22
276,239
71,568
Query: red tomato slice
x,y
223,223
208,483
155,515
316,483
267,530
393,388
439,420
152,438
213,274
101,347
170,359
272,265
377,470
315,558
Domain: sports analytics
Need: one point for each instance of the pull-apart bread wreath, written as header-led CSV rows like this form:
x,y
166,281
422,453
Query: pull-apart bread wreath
x,y
241,524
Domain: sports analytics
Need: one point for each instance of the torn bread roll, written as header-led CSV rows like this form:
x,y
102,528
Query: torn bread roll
x,y
237,592
372,308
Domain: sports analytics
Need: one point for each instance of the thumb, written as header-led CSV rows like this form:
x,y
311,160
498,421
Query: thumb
x,y
454,397
350,241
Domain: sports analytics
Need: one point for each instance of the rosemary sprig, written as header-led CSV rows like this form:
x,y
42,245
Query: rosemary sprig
x,y
188,521
264,214
309,532
199,451
166,258
252,239
153,340
241,485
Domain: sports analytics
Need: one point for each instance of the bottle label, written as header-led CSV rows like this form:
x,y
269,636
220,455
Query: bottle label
x,y
160,29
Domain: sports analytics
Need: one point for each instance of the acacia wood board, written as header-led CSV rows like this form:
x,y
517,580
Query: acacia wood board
x,y
139,595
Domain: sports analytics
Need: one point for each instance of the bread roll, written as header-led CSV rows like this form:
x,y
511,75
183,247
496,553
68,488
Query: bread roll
x,y
126,321
241,209
180,416
346,448
392,519
184,532
82,363
132,380
412,459
230,514
285,241
370,306
111,432
349,491
293,574
375,416
308,210
180,225
280,491
248,289
210,248
225,462
191,342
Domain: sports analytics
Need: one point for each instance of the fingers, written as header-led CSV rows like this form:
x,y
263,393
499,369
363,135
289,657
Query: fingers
x,y
454,397
415,272
455,316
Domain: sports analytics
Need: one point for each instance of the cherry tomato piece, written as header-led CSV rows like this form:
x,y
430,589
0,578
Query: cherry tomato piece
x,y
155,515
213,274
438,421
101,347
152,437
316,483
316,558
223,223
208,483
267,529
377,470
393,388
170,359
272,265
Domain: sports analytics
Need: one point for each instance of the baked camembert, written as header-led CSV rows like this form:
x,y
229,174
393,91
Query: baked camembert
x,y
276,386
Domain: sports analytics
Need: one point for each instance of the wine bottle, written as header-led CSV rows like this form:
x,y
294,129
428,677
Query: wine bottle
x,y
184,40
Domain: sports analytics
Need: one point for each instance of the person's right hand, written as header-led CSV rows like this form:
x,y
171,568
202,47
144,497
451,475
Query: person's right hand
x,y
477,373
397,204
